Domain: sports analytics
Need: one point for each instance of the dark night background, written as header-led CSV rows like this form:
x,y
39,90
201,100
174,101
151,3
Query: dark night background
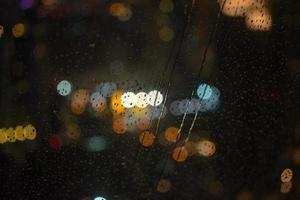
x,y
258,74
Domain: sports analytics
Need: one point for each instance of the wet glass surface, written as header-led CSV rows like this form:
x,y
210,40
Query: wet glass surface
x,y
140,99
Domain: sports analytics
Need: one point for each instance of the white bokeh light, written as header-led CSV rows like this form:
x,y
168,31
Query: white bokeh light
x,y
155,98
142,100
128,99
64,88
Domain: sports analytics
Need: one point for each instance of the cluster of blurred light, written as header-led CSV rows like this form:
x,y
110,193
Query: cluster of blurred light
x,y
18,30
206,148
257,16
64,88
141,99
121,11
286,178
19,133
95,143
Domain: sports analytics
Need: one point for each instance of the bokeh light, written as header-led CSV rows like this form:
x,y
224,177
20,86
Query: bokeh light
x,y
235,8
18,30
143,123
174,108
55,142
158,111
19,133
99,198
116,104
147,138
286,175
286,187
98,103
79,101
10,135
73,131
106,89
204,91
142,100
163,186
172,134
64,88
180,154
155,98
166,6
26,4
3,138
30,132
206,148
128,99
259,20
95,143
119,125
166,34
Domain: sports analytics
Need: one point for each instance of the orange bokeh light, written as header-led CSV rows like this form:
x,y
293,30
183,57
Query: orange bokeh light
x,y
172,134
147,138
180,154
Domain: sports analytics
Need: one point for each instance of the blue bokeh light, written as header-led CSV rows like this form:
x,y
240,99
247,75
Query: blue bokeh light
x,y
99,198
204,91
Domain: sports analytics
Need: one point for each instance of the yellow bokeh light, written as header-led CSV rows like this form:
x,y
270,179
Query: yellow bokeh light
x,y
125,15
18,30
166,34
19,133
30,132
3,138
258,20
116,105
166,6
73,131
10,135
